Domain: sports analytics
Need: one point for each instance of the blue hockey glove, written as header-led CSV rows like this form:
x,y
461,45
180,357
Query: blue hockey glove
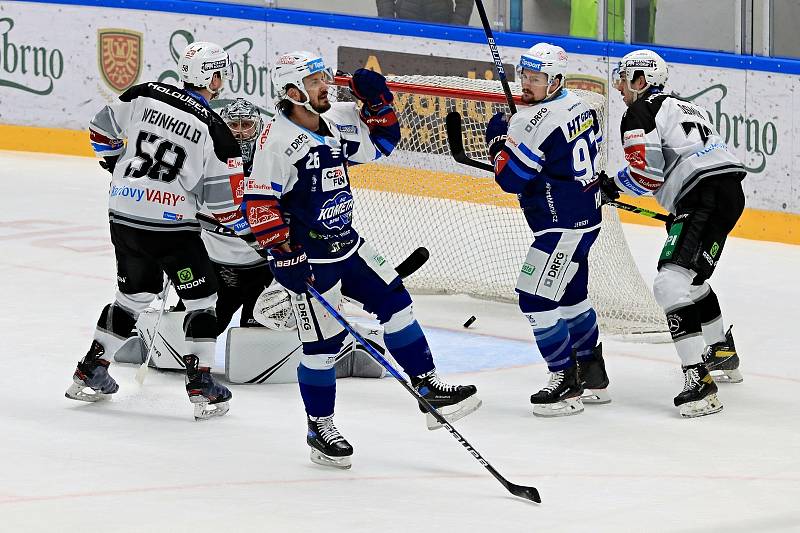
x,y
370,87
496,133
291,269
608,189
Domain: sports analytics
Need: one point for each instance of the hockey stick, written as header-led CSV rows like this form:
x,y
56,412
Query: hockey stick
x,y
529,493
408,266
453,124
141,372
498,61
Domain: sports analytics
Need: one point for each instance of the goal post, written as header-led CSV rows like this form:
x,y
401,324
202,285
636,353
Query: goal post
x,y
476,233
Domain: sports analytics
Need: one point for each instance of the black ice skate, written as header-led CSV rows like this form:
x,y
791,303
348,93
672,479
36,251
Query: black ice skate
x,y
722,360
91,382
452,401
561,396
699,395
210,399
593,377
328,447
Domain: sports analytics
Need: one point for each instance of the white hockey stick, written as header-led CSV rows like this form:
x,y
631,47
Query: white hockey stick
x,y
141,372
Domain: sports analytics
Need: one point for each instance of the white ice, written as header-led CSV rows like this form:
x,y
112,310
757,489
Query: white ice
x,y
141,463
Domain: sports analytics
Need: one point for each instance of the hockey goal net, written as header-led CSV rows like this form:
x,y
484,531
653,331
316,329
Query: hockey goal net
x,y
476,233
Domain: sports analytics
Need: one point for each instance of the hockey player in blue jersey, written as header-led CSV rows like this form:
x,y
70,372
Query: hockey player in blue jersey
x,y
299,202
545,154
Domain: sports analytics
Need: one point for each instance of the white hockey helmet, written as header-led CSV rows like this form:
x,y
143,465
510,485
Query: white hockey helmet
x,y
291,69
648,63
200,61
546,58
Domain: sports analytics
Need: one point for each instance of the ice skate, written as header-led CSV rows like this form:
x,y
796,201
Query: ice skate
x,y
561,396
699,395
210,398
91,381
722,360
593,378
328,447
452,401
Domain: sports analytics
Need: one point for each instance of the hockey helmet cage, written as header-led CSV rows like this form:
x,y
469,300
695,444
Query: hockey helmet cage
x,y
200,61
291,69
245,122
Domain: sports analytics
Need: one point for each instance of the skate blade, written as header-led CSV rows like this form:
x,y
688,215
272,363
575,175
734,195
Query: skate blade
x,y
77,391
454,412
320,458
595,396
727,376
205,410
570,406
707,406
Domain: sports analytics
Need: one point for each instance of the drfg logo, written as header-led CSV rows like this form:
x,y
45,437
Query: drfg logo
x,y
554,268
303,318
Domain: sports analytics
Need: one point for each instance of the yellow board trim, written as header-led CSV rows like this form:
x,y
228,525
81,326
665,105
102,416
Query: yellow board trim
x,y
756,224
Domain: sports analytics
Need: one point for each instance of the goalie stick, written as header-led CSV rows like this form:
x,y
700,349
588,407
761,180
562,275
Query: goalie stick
x,y
408,266
529,493
454,138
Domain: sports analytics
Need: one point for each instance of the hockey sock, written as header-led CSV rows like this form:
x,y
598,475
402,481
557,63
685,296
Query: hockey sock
x,y
318,389
684,326
554,345
410,349
584,333
113,327
710,314
201,335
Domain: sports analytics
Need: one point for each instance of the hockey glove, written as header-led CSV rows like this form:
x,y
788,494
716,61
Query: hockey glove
x,y
291,269
108,163
370,87
608,189
496,133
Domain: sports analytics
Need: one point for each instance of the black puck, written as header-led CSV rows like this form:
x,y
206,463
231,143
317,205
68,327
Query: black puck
x,y
469,321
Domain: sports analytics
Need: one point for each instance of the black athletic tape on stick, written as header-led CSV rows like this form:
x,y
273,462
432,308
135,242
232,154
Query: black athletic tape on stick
x,y
529,493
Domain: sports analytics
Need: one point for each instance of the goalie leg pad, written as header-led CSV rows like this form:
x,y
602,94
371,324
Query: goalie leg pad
x,y
113,328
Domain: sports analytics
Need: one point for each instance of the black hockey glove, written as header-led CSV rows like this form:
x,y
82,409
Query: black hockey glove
x,y
496,134
108,163
291,269
608,189
370,87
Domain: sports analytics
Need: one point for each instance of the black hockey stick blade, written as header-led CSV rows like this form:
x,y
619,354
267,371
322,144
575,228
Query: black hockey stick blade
x,y
456,142
413,262
529,493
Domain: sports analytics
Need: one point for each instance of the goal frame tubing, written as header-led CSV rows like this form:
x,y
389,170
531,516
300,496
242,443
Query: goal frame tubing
x,y
449,92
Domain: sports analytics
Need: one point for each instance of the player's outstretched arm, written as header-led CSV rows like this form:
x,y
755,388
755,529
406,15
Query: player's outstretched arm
x,y
377,111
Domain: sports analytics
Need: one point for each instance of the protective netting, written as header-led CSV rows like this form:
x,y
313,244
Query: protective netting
x,y
476,233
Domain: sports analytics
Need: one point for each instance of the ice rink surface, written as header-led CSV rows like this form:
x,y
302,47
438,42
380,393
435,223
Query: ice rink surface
x,y
141,463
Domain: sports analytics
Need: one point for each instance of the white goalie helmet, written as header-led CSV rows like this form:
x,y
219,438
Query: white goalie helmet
x,y
292,69
648,62
200,61
546,58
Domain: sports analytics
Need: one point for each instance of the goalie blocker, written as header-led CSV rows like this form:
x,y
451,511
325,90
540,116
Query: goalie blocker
x,y
252,355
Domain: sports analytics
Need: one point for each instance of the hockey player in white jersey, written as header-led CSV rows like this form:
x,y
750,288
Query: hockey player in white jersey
x,y
545,154
675,153
300,206
179,154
